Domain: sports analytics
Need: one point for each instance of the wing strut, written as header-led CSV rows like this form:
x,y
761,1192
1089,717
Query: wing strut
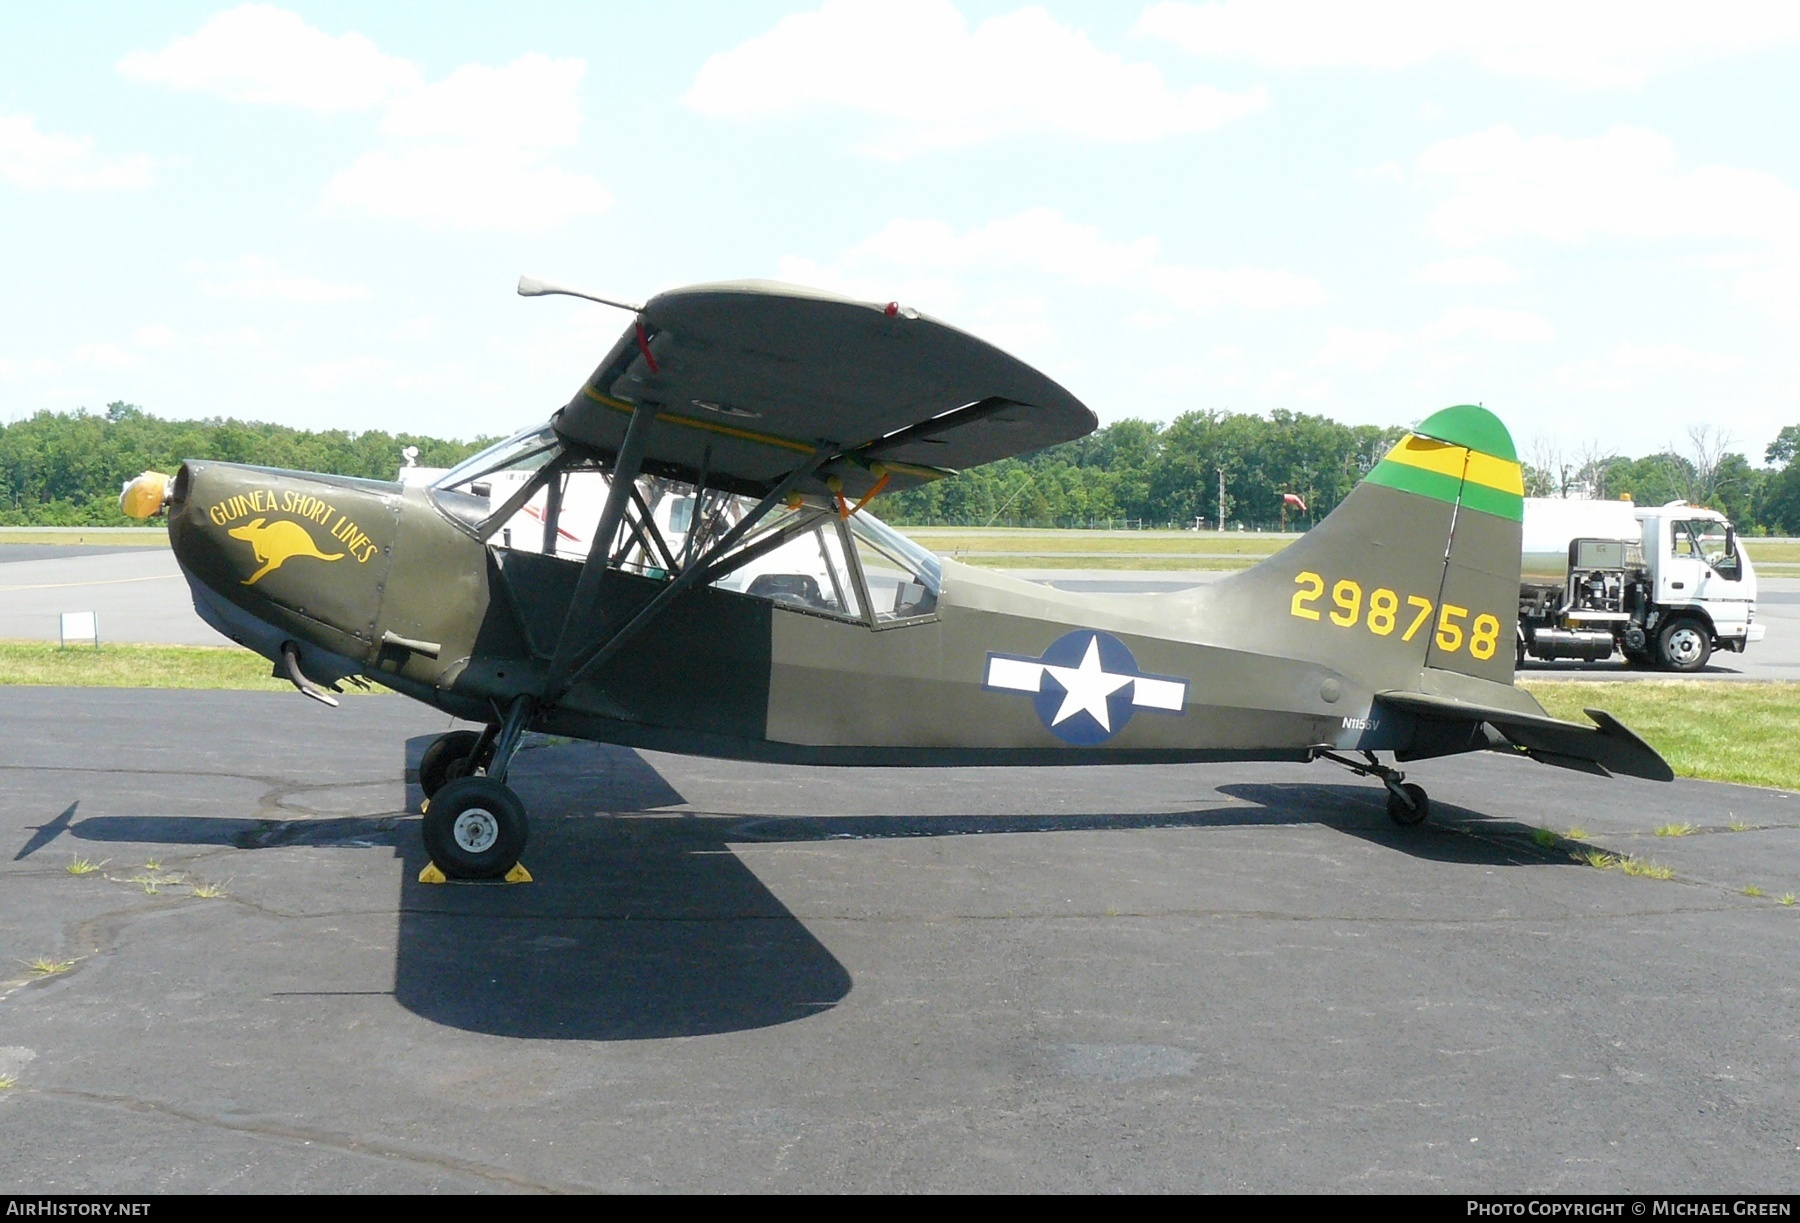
x,y
626,465
702,568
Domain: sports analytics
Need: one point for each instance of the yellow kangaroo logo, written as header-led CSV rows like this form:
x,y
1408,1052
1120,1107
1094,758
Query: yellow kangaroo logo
x,y
276,543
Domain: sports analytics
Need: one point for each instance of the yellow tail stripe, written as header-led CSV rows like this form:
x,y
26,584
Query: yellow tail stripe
x,y
1459,464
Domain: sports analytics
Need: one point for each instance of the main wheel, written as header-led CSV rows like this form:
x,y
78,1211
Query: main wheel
x,y
1406,816
475,829
1683,645
447,759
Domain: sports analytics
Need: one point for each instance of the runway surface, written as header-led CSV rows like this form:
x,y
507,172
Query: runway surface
x,y
738,977
139,595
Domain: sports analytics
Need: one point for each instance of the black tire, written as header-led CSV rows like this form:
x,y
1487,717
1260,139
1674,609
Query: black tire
x,y
446,759
1401,814
1683,645
475,829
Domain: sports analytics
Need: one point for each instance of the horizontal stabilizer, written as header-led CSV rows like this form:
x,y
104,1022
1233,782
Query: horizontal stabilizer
x,y
1607,747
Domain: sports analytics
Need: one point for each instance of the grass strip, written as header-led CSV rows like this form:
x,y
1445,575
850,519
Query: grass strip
x,y
137,537
1715,730
44,664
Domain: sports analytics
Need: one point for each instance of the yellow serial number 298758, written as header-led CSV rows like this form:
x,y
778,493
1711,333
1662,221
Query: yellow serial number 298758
x,y
1385,615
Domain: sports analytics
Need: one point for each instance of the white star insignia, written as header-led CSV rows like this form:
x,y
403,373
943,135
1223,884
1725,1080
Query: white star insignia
x,y
1087,687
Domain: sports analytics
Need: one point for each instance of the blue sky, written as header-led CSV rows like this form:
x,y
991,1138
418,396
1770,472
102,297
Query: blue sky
x,y
1586,217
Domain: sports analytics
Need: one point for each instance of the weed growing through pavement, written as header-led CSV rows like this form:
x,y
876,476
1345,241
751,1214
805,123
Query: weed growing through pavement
x,y
1577,833
1752,890
1787,899
1737,825
82,866
8,1080
1645,869
1596,859
43,966
208,891
1674,830
1544,838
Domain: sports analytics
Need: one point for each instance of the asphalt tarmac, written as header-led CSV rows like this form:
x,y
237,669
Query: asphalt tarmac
x,y
740,977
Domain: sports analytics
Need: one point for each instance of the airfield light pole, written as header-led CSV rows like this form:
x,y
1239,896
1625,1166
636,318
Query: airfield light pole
x,y
1221,498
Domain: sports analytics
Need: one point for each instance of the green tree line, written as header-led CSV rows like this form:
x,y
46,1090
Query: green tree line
x,y
66,468
1143,474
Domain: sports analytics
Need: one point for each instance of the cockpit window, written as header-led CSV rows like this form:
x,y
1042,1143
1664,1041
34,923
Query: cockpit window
x,y
808,572
902,579
861,569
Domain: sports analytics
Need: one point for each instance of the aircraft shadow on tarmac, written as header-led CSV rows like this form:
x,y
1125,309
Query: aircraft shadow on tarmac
x,y
649,926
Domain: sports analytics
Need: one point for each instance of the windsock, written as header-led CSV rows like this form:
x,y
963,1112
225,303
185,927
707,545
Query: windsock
x,y
144,496
1293,499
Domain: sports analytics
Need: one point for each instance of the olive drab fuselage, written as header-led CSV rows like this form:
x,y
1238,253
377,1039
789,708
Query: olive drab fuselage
x,y
375,579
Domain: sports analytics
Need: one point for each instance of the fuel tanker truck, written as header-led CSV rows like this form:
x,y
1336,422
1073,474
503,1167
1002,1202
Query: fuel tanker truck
x,y
1664,586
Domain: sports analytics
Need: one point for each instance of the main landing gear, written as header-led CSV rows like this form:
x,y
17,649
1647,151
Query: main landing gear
x,y
1407,803
475,826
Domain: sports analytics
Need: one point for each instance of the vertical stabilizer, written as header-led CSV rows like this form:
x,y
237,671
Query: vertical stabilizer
x,y
1416,572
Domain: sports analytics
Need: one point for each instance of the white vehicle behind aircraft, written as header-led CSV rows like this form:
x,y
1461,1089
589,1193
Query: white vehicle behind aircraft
x,y
1664,585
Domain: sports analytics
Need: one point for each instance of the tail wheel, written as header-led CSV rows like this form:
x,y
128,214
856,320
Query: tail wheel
x,y
1398,809
1683,645
446,759
475,829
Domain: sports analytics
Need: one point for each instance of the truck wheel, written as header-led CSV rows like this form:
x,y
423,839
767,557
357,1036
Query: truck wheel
x,y
1684,645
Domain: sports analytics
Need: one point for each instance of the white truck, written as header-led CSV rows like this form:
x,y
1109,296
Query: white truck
x,y
1664,586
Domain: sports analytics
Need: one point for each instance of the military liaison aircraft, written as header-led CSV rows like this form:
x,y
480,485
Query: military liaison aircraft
x,y
741,429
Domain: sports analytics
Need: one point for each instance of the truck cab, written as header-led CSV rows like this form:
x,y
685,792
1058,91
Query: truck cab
x,y
1698,572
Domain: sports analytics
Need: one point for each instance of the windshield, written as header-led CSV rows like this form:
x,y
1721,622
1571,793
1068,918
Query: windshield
x,y
516,452
1704,538
476,490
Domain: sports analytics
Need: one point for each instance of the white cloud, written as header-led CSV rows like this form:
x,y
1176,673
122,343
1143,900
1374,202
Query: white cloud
x,y
929,261
51,161
1625,183
464,152
1359,349
336,375
1482,323
39,366
1592,44
155,336
258,279
468,152
935,83
1468,270
465,187
533,102
1635,367
1441,343
260,53
107,356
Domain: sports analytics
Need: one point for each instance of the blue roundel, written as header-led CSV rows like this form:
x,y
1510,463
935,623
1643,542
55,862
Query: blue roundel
x,y
1085,695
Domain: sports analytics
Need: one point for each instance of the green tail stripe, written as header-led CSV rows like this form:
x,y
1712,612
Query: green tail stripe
x,y
1418,480
1494,501
1470,426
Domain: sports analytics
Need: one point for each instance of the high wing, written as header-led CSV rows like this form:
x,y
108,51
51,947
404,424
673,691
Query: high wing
x,y
751,379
